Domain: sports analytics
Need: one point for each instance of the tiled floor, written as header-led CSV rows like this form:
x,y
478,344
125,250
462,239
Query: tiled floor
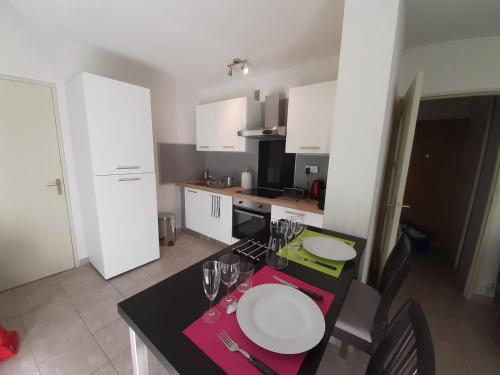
x,y
69,323
466,334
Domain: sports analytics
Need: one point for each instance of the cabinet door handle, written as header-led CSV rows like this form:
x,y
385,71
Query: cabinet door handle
x,y
192,191
128,167
227,146
203,146
295,213
310,147
129,179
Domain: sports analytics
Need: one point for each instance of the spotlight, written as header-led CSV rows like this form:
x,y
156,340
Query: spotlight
x,y
237,61
244,67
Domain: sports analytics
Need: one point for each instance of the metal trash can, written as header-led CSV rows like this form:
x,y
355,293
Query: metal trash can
x,y
166,228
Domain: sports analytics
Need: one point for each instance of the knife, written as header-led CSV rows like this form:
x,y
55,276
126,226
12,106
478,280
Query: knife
x,y
310,293
317,262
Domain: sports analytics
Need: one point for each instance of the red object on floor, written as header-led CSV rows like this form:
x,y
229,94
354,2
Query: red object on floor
x,y
9,341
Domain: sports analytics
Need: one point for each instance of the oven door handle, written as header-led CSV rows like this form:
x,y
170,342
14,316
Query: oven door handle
x,y
249,213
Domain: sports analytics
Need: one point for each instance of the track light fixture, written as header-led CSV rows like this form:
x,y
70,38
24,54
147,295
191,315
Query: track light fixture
x,y
237,61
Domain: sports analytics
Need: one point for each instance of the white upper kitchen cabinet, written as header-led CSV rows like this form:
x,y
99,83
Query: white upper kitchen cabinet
x,y
217,124
205,128
310,118
117,117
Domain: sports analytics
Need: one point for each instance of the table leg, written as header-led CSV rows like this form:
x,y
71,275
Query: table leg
x,y
139,354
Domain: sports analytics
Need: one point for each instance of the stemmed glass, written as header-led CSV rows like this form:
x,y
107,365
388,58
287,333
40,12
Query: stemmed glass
x,y
230,270
298,230
277,252
245,277
211,282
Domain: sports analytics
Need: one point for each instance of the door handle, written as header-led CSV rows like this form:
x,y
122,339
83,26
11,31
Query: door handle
x,y
402,205
58,184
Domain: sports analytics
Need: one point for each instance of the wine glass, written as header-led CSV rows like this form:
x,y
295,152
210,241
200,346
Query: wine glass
x,y
245,277
299,230
277,252
211,282
230,270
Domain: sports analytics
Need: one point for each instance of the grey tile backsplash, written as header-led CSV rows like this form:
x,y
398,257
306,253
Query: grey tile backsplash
x,y
183,162
232,164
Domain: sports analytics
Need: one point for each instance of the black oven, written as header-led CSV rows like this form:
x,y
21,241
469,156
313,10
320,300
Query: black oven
x,y
249,217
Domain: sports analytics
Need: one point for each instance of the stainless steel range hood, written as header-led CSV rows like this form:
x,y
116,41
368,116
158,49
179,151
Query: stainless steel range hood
x,y
271,129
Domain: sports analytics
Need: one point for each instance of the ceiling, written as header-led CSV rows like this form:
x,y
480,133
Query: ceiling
x,y
433,21
194,38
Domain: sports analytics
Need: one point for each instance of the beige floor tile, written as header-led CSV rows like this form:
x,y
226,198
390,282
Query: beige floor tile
x,y
8,305
84,357
92,294
155,367
82,280
38,293
106,370
47,341
139,287
114,338
129,279
102,314
50,313
62,276
123,363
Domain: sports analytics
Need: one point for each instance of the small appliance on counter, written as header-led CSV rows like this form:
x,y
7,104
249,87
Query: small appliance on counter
x,y
316,188
321,199
246,180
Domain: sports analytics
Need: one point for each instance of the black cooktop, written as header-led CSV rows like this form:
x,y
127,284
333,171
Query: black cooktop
x,y
263,192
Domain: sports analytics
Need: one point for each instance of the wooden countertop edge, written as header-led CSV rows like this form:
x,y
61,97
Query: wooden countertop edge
x,y
307,206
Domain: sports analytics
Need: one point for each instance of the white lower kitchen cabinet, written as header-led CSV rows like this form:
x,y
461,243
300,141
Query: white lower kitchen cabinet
x,y
279,212
194,203
219,223
209,214
127,223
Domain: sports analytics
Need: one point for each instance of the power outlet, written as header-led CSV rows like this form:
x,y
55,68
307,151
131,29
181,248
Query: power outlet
x,y
313,168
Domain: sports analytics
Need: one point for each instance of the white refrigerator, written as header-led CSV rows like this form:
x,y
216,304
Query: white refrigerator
x,y
113,146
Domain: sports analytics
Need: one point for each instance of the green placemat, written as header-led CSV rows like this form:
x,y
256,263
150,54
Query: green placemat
x,y
292,255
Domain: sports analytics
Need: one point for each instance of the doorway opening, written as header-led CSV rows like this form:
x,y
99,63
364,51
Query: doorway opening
x,y
447,194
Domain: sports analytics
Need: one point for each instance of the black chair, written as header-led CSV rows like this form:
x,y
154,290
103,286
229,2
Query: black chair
x,y
406,345
364,314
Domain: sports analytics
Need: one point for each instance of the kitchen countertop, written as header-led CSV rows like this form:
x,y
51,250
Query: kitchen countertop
x,y
297,204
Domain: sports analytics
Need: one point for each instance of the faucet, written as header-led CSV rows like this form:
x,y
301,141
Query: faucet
x,y
216,179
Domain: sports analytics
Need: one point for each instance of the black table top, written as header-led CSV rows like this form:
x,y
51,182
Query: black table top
x,y
159,314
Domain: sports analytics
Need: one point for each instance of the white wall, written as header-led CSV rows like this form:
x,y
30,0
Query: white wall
x,y
27,53
372,37
460,66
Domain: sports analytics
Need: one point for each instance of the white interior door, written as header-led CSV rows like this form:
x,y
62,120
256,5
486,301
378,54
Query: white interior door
x,y
399,163
35,239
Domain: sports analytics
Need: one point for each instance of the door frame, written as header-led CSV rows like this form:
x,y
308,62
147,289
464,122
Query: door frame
x,y
473,273
62,156
479,249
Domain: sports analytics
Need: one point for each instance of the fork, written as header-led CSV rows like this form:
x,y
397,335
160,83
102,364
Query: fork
x,y
233,346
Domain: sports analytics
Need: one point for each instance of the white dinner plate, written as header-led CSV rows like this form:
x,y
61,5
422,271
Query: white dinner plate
x,y
280,319
329,248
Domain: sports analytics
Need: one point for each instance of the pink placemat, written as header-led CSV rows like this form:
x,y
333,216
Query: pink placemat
x,y
204,335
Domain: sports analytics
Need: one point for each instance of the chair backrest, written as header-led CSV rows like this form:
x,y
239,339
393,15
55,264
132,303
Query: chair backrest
x,y
386,298
406,347
398,256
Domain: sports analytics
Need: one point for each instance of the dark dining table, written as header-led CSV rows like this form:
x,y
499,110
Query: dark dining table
x,y
158,315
